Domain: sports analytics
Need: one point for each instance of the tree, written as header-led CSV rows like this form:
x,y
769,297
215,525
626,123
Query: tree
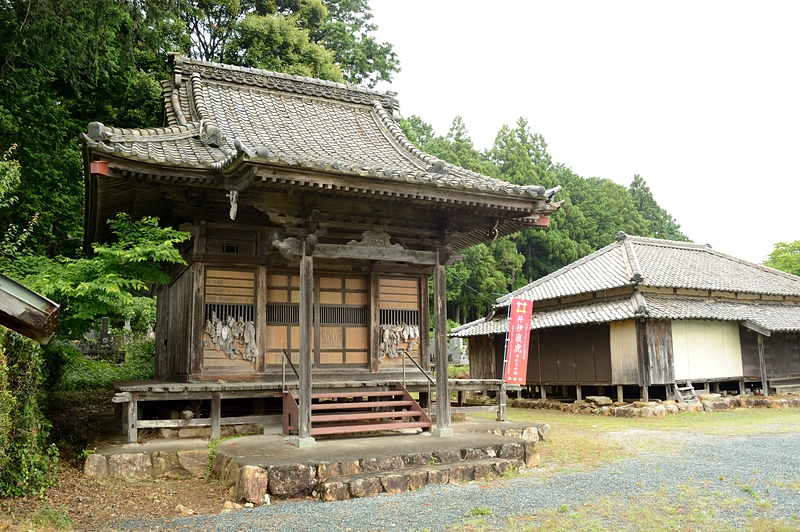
x,y
660,223
456,148
115,282
785,257
330,40
348,33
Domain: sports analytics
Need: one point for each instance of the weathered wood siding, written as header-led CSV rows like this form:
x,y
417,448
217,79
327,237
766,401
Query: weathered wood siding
x,y
706,349
781,354
340,335
571,355
481,357
229,295
174,329
400,301
624,356
655,350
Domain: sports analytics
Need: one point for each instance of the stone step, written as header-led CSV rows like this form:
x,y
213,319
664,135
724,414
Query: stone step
x,y
368,484
334,480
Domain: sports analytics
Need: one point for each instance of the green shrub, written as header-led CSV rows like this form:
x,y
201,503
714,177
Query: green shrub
x,y
84,374
25,456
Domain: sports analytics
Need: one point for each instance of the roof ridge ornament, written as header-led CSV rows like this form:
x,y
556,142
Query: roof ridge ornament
x,y
97,132
438,167
620,236
210,134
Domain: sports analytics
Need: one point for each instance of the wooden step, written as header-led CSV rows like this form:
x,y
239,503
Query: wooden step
x,y
357,405
368,427
355,394
393,410
685,394
363,415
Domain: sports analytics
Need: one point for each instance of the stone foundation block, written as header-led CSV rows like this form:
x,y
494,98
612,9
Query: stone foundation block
x,y
365,487
220,463
394,483
168,433
292,480
167,465
195,462
326,471
500,468
531,454
335,491
96,466
251,486
446,457
438,476
230,474
417,479
462,473
194,432
383,463
481,471
417,459
130,465
352,467
513,450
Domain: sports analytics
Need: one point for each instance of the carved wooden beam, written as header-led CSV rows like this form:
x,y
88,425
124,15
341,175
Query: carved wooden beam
x,y
291,248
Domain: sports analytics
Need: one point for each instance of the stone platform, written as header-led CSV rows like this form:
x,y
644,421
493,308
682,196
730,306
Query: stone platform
x,y
255,468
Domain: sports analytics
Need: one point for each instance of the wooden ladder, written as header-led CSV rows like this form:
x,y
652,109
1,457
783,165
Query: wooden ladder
x,y
356,411
685,394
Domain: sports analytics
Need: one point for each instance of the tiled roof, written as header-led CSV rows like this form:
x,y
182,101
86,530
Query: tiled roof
x,y
776,317
220,114
650,262
637,262
596,312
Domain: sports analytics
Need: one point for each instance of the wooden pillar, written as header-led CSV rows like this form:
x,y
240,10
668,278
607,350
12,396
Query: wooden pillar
x,y
762,365
741,387
440,344
501,403
620,397
261,317
645,393
216,414
133,417
578,393
306,335
544,393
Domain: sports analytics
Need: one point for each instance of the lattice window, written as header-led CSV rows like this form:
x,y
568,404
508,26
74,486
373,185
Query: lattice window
x,y
222,311
280,314
396,317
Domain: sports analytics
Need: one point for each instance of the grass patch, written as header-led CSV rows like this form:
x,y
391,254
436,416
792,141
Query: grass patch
x,y
686,507
793,485
581,442
45,517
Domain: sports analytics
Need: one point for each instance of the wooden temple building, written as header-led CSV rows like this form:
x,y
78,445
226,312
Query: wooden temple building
x,y
315,227
644,316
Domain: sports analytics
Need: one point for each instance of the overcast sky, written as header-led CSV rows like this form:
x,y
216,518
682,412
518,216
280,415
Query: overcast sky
x,y
700,98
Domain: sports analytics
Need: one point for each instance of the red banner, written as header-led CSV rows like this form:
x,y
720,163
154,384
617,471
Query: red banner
x,y
515,368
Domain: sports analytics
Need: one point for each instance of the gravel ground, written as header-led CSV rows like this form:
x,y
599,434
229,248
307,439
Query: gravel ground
x,y
731,464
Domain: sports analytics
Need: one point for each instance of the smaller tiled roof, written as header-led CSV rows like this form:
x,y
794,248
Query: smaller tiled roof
x,y
776,317
650,262
637,262
596,312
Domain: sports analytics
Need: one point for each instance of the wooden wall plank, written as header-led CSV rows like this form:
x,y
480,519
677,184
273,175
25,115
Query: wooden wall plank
x,y
624,358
